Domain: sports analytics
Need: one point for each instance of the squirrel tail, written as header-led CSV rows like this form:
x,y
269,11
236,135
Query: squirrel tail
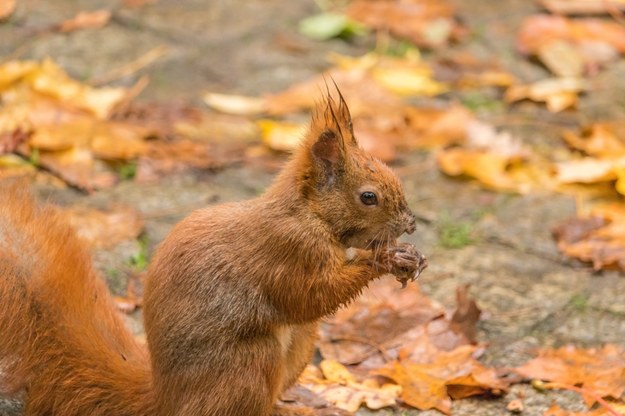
x,y
62,341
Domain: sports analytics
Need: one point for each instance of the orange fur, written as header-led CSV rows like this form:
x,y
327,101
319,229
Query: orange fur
x,y
233,295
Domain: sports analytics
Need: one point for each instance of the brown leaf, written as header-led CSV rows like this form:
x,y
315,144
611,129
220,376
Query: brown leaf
x,y
539,30
582,6
598,370
434,381
104,229
466,315
372,326
425,22
339,387
86,20
598,238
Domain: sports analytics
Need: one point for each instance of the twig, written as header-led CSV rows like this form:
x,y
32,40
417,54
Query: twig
x,y
130,68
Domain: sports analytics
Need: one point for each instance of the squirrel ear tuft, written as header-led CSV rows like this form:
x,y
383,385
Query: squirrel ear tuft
x,y
327,151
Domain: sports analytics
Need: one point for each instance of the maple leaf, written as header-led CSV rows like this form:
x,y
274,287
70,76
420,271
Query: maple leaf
x,y
339,387
431,382
600,371
596,238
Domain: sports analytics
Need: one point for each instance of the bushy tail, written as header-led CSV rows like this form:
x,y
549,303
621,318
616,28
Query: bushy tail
x,y
61,338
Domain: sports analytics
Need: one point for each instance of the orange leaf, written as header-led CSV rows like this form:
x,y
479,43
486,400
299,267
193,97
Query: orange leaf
x,y
7,7
601,371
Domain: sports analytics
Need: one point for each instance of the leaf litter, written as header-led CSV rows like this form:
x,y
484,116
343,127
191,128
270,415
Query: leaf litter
x,y
429,356
82,133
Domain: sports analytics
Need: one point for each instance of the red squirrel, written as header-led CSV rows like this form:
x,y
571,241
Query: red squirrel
x,y
232,299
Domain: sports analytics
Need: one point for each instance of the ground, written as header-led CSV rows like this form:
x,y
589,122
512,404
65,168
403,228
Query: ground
x,y
530,294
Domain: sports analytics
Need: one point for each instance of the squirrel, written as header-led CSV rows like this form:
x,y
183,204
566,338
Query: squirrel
x,y
232,299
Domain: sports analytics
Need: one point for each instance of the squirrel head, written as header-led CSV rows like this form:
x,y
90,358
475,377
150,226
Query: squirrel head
x,y
358,195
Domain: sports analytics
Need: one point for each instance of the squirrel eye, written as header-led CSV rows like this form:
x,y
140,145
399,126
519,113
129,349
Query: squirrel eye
x,y
368,198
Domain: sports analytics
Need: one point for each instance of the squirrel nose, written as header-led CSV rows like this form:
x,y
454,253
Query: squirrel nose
x,y
411,223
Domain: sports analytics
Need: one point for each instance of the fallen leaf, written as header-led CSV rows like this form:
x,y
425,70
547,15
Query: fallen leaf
x,y
7,7
597,238
584,7
339,387
602,140
433,381
86,20
600,371
562,58
282,136
235,104
466,315
588,170
593,41
538,30
104,229
558,93
491,169
428,23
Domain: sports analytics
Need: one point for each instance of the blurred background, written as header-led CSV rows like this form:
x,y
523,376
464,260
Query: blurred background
x,y
504,120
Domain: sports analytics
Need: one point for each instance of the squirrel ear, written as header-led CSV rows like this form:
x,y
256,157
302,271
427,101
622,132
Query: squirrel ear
x,y
327,153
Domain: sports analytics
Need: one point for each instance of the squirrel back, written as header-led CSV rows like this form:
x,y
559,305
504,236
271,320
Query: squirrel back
x,y
60,334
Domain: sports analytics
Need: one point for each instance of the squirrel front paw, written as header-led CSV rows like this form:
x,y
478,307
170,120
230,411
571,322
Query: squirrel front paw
x,y
405,262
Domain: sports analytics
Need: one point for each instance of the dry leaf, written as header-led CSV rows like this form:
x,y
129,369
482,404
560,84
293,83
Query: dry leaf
x,y
598,238
588,170
104,229
562,58
539,30
602,140
466,315
339,387
583,6
235,104
600,371
433,382
491,169
282,136
558,93
7,7
372,328
424,22
86,20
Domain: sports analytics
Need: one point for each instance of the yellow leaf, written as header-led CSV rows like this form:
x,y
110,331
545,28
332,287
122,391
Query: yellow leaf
x,y
409,80
12,71
342,390
51,80
489,168
235,104
587,170
281,136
